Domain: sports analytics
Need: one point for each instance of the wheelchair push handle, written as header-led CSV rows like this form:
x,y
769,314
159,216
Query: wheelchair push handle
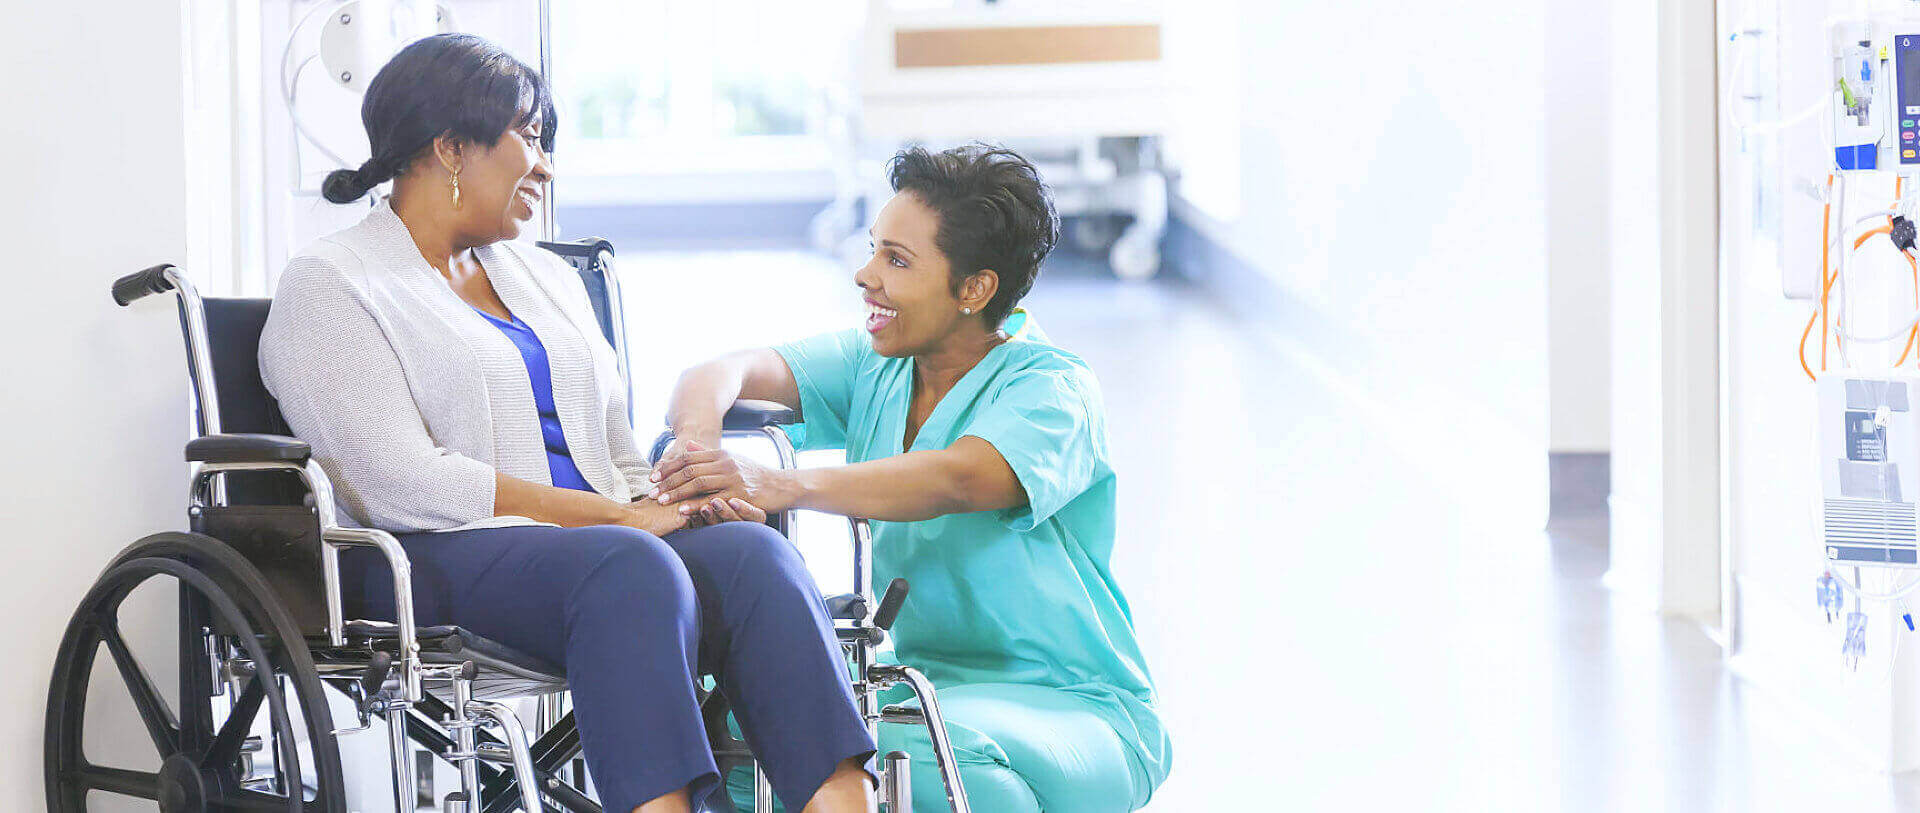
x,y
142,283
896,595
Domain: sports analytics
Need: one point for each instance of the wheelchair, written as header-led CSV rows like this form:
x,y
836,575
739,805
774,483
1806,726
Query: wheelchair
x,y
266,656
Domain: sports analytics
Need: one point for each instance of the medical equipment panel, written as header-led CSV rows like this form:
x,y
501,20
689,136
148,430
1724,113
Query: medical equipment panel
x,y
1905,114
1869,469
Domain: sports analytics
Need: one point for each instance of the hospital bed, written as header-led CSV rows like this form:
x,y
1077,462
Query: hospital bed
x,y
1080,87
266,656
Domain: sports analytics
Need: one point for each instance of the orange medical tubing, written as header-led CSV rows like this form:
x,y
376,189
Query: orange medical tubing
x,y
1913,267
1862,239
1826,283
1915,330
1815,317
1827,279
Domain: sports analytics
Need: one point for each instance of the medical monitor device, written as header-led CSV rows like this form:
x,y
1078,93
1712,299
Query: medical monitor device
x,y
1904,45
1869,452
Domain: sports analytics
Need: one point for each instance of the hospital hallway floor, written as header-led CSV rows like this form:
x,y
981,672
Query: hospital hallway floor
x,y
1340,613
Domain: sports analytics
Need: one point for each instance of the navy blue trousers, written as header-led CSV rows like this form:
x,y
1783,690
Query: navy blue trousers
x,y
633,619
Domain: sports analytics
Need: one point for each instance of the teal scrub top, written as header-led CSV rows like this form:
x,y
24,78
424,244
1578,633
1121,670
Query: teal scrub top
x,y
1016,596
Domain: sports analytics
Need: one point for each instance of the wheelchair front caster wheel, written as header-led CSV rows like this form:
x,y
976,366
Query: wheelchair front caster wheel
x,y
211,748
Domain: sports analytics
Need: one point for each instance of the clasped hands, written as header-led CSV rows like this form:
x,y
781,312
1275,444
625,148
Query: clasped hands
x,y
708,486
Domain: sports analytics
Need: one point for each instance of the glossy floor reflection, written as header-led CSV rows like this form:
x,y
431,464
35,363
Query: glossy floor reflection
x,y
1343,610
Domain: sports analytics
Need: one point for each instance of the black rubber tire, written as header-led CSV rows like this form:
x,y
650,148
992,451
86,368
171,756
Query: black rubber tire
x,y
221,591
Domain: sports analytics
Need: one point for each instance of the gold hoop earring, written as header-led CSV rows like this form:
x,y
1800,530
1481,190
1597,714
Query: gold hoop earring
x,y
456,189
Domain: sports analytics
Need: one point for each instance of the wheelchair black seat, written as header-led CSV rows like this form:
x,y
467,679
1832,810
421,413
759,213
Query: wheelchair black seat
x,y
505,672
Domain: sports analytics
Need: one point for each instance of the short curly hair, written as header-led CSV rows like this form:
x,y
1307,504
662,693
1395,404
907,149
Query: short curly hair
x,y
995,213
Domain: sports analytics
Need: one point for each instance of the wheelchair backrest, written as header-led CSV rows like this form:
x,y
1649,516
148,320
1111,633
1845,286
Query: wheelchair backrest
x,y
233,348
592,259
233,339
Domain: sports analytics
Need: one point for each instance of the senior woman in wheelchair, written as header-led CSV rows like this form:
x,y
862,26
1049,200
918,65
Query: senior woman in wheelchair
x,y
454,386
979,449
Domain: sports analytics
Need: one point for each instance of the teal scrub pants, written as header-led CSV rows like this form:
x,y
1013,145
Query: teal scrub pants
x,y
1021,749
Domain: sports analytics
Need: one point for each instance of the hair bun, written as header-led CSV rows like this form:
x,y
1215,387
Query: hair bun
x,y
344,186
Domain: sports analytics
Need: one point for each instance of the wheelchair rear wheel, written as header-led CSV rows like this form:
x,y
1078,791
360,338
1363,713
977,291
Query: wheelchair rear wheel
x,y
238,653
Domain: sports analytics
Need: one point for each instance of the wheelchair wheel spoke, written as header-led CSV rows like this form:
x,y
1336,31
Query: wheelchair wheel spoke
x,y
117,780
196,672
226,744
161,724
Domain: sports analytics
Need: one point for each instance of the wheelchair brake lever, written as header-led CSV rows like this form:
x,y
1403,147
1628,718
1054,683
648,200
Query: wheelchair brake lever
x,y
377,668
896,595
370,697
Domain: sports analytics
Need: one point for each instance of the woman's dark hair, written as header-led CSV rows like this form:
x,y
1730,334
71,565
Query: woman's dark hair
x,y
456,84
994,210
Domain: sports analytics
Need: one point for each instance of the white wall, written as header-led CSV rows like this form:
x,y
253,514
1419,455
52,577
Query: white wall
x,y
1397,191
1579,327
1665,447
294,213
96,400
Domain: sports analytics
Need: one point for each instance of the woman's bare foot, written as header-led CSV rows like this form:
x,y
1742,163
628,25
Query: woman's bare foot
x,y
848,790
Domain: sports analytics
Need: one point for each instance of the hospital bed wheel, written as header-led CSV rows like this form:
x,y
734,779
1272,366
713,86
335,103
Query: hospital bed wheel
x,y
1135,257
1094,232
834,224
233,737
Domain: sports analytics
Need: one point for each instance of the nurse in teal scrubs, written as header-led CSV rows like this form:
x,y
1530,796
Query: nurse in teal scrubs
x,y
979,450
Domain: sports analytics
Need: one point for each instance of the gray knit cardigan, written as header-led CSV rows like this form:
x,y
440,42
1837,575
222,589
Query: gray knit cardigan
x,y
411,400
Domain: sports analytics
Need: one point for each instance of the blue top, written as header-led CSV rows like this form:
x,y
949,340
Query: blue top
x,y
560,465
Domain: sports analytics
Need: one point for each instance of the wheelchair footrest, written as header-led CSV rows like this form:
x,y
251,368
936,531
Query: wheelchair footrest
x,y
903,713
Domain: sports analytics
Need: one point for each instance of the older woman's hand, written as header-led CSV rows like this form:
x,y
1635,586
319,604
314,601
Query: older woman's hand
x,y
655,518
712,473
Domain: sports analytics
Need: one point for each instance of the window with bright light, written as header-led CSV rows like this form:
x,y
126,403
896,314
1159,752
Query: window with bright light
x,y
697,86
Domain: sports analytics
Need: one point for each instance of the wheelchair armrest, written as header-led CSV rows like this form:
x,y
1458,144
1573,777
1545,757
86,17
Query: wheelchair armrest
x,y
846,607
243,448
746,416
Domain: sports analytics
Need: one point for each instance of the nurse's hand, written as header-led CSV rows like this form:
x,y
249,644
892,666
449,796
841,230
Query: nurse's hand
x,y
681,444
718,510
707,473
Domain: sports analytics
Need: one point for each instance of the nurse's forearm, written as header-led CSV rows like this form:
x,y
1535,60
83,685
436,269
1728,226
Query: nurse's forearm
x,y
701,398
704,393
966,477
896,489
